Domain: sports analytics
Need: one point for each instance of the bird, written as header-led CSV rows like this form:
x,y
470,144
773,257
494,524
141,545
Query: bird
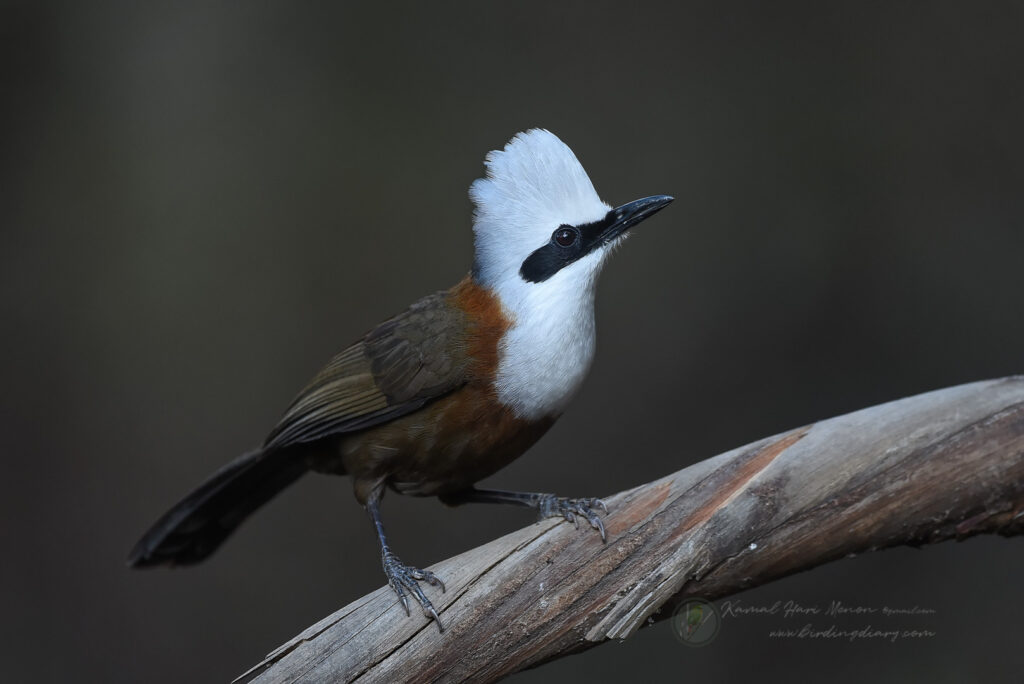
x,y
448,392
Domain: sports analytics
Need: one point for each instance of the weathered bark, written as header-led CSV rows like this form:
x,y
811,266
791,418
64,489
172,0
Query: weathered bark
x,y
938,466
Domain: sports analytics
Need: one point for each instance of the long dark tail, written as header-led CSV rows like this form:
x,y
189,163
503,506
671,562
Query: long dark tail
x,y
200,522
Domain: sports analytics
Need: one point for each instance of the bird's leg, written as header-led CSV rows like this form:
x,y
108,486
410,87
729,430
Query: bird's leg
x,y
547,505
404,579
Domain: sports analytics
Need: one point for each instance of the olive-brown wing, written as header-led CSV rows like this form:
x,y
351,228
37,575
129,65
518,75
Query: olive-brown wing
x,y
398,367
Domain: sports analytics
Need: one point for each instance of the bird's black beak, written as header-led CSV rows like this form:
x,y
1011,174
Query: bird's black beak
x,y
621,219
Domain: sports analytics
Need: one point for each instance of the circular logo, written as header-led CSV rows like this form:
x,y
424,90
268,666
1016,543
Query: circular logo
x,y
696,622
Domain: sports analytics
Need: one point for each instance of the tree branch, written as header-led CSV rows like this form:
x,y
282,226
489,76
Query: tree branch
x,y
937,466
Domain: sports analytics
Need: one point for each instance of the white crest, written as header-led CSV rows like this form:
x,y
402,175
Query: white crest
x,y
532,187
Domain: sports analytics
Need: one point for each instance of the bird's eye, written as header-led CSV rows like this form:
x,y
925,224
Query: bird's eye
x,y
565,236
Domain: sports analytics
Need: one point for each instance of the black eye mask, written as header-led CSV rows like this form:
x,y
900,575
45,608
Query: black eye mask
x,y
559,252
571,243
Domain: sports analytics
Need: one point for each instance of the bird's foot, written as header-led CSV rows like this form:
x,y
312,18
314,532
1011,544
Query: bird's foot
x,y
405,580
551,506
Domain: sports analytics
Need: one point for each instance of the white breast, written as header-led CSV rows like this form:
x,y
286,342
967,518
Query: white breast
x,y
546,353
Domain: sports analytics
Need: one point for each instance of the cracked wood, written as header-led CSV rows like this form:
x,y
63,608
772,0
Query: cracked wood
x,y
937,466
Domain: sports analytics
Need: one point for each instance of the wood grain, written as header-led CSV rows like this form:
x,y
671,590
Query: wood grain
x,y
937,466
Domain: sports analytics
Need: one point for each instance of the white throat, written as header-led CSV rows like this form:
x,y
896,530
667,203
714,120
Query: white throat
x,y
547,351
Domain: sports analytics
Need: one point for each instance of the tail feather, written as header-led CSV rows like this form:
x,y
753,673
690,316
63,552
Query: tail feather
x,y
199,523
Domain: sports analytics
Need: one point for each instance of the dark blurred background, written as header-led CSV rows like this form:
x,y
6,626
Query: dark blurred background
x,y
202,203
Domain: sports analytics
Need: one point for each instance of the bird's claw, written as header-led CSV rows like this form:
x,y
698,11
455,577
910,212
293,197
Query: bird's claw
x,y
551,506
404,580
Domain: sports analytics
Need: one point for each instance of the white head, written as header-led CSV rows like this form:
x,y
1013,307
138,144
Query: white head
x,y
542,235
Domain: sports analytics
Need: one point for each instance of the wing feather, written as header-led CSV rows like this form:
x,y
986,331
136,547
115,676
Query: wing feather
x,y
398,367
